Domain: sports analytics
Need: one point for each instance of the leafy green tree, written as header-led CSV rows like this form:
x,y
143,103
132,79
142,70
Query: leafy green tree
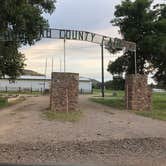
x,y
118,83
21,16
145,24
11,61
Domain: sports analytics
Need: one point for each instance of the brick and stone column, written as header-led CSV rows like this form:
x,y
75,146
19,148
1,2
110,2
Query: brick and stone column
x,y
64,92
137,93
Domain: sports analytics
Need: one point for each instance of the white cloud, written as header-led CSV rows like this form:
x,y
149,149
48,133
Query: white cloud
x,y
82,57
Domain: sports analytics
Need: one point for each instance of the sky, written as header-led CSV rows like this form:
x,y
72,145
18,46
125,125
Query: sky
x,y
81,57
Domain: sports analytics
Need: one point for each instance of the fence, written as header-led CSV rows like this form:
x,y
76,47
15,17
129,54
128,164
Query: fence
x,y
85,91
39,90
20,89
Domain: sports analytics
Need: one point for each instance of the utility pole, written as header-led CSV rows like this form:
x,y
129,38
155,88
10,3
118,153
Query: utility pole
x,y
102,69
45,75
52,64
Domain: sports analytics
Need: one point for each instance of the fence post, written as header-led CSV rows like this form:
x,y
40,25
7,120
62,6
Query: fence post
x,y
6,88
92,91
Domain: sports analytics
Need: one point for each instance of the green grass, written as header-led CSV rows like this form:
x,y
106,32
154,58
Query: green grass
x,y
155,114
108,92
158,103
158,107
22,92
115,102
63,116
110,100
3,102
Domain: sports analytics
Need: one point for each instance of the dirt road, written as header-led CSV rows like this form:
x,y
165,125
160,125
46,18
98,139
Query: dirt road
x,y
118,137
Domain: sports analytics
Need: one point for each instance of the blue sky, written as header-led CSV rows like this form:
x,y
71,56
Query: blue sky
x,y
81,57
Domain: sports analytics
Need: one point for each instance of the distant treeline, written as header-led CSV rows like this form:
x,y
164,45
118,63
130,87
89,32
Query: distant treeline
x,y
158,86
118,83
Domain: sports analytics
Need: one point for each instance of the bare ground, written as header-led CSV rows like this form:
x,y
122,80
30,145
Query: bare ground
x,y
118,138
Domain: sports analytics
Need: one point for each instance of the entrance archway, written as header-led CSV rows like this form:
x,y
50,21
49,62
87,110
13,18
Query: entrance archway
x,y
106,42
111,44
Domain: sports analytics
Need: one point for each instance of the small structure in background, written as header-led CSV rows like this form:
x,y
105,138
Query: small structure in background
x,y
25,83
85,85
38,82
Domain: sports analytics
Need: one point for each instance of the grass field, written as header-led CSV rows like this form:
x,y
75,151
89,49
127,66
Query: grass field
x,y
158,103
110,100
22,92
3,102
158,107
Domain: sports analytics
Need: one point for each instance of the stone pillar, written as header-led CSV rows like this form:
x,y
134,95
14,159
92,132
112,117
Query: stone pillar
x,y
64,92
137,93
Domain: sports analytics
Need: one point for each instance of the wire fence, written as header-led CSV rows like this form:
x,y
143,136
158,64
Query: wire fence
x,y
85,91
20,89
28,90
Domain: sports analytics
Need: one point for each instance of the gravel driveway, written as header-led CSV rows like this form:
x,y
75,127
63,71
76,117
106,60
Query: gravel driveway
x,y
119,137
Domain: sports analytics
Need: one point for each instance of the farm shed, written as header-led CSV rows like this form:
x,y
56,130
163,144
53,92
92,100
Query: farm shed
x,y
36,83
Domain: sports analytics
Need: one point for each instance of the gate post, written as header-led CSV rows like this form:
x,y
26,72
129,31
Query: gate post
x,y
137,93
64,92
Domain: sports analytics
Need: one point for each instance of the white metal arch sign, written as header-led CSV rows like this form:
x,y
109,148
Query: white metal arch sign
x,y
108,42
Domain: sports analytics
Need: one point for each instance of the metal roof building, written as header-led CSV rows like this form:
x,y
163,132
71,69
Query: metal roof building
x,y
37,83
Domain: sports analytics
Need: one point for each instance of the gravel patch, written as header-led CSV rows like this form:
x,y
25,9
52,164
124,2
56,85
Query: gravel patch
x,y
101,152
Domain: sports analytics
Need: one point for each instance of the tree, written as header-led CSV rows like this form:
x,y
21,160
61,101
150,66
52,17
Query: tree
x,y
145,24
21,16
118,83
11,61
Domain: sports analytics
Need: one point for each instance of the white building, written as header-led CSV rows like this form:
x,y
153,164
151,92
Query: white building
x,y
85,85
38,83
